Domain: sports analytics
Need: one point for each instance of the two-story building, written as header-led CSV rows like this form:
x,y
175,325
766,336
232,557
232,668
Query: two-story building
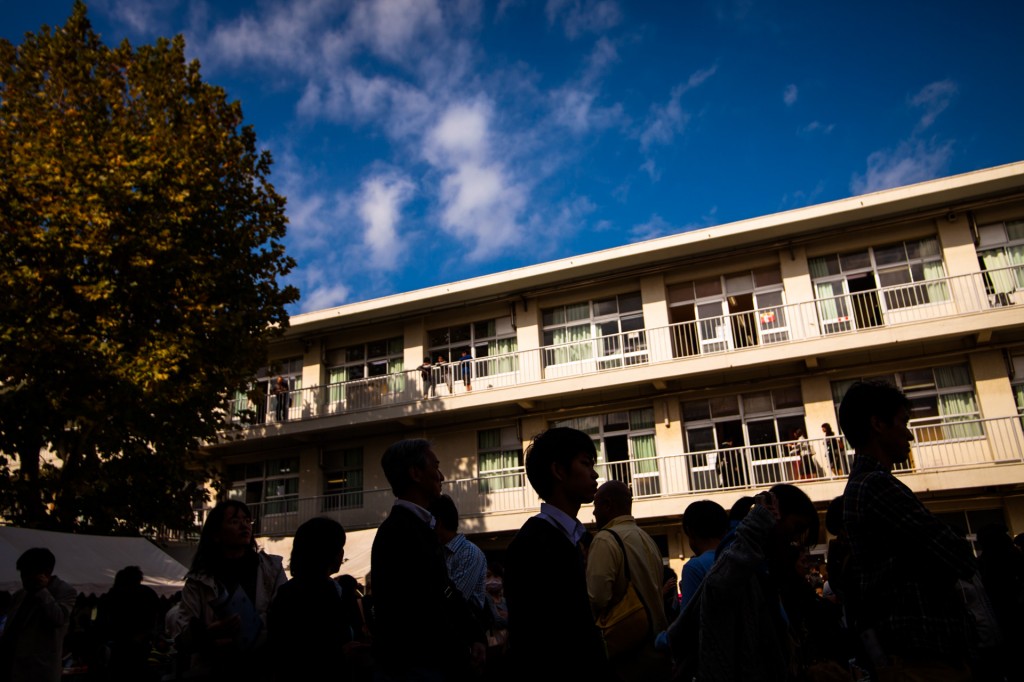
x,y
697,362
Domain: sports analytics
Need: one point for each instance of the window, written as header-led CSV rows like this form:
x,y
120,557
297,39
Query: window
x,y
625,447
610,330
735,437
494,339
732,311
257,401
1017,383
362,375
343,479
854,289
1001,255
500,456
943,405
269,487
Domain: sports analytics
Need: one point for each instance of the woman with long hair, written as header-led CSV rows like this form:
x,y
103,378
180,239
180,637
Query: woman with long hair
x,y
226,596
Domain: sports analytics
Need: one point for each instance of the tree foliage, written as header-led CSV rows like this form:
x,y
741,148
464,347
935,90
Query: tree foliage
x,y
140,253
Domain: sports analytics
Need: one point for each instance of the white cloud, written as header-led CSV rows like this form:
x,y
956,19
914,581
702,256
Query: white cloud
x,y
665,121
146,17
652,229
380,206
574,106
322,288
583,16
934,98
818,127
789,95
391,28
909,163
651,169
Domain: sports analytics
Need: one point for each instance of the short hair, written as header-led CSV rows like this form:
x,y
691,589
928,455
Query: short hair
x,y
705,519
740,508
316,546
446,513
399,458
558,445
36,560
792,500
864,400
128,576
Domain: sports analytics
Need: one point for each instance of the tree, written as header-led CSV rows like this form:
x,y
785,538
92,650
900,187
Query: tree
x,y
140,252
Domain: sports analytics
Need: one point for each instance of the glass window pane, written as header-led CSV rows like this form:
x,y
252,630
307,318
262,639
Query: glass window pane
x,y
553,316
632,323
767,276
616,421
641,419
631,302
680,293
695,410
989,235
888,255
724,406
823,266
708,287
738,283
377,349
460,333
923,407
757,402
1015,230
483,330
787,397
579,311
891,278
917,379
355,353
699,440
438,337
606,307
857,260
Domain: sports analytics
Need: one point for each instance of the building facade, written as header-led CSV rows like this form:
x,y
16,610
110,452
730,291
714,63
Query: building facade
x,y
704,365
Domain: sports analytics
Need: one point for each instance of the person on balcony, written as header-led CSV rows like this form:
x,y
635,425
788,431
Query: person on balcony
x,y
834,449
281,399
466,369
913,621
443,371
427,376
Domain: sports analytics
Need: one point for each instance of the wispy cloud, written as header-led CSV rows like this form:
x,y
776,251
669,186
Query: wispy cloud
x,y
583,16
789,95
665,121
657,226
817,127
933,98
575,105
909,163
321,288
380,206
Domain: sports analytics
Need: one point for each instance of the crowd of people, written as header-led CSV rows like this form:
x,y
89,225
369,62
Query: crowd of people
x,y
901,596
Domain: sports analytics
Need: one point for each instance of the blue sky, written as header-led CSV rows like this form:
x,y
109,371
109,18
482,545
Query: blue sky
x,y
427,141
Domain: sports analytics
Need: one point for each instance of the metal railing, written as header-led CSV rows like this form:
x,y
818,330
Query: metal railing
x,y
738,331
948,445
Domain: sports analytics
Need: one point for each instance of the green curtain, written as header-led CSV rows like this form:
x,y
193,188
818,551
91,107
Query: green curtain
x,y
644,454
396,375
937,291
579,348
818,267
960,407
499,461
996,261
828,305
336,379
506,360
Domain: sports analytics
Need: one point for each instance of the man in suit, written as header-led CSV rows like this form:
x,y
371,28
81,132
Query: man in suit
x,y
552,634
423,628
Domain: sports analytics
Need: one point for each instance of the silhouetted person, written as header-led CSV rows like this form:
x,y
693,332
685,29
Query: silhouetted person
x,y
129,620
904,600
705,523
467,565
423,628
744,635
306,623
222,618
1001,566
33,639
552,634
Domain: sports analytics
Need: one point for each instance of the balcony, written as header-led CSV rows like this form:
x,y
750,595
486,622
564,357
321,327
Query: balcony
x,y
839,316
951,445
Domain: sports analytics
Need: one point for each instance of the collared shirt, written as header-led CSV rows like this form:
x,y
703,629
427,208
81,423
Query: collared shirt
x,y
569,525
906,563
467,567
421,513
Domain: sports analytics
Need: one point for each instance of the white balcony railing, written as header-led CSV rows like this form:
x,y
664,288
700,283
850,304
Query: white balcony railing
x,y
947,445
738,331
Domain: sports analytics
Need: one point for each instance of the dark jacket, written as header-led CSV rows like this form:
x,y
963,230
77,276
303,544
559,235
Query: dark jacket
x,y
552,634
420,619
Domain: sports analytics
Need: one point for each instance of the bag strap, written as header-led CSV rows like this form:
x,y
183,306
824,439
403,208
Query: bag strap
x,y
629,579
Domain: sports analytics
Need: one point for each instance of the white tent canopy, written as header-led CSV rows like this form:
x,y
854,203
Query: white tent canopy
x,y
90,562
